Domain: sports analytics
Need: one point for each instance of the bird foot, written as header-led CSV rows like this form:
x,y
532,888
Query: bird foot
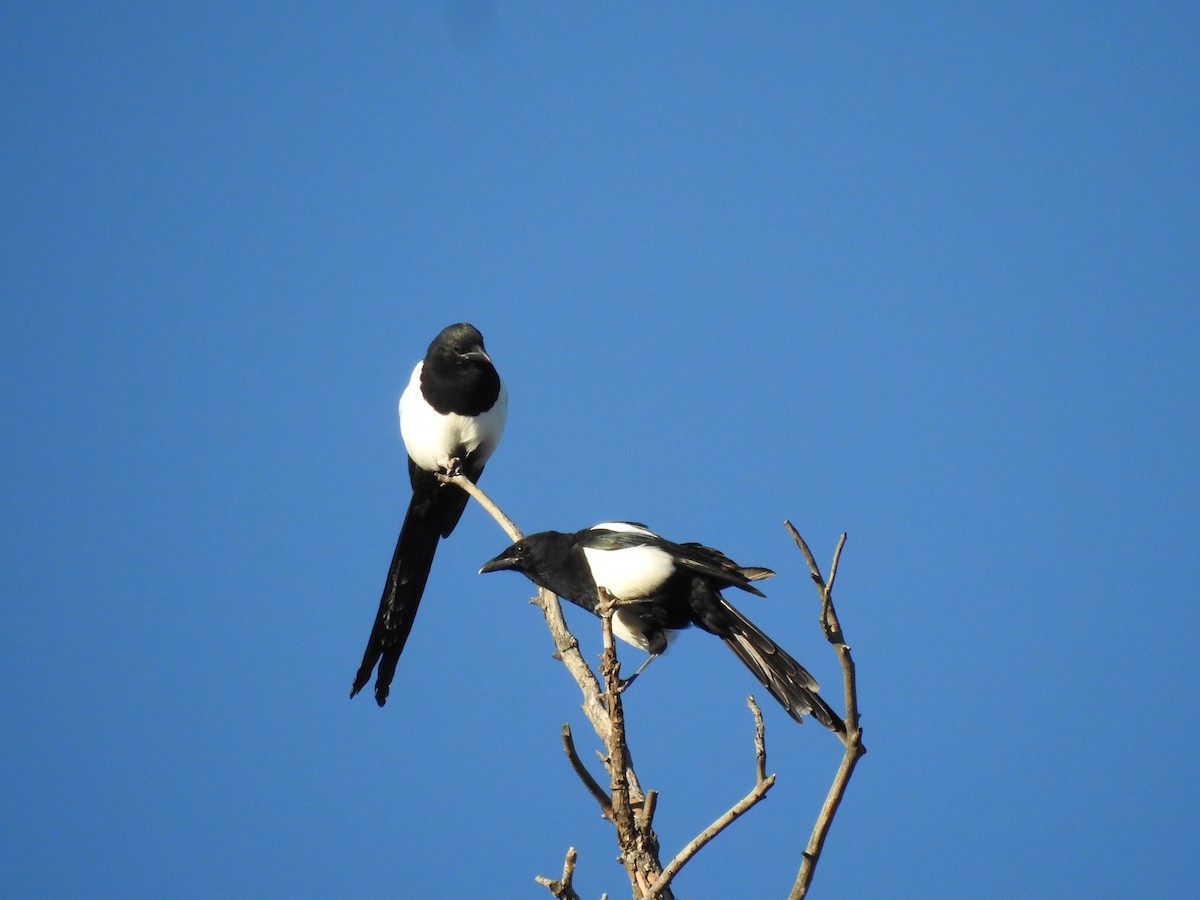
x,y
450,469
623,683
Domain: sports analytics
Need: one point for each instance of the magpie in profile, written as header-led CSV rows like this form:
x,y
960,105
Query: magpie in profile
x,y
664,586
451,417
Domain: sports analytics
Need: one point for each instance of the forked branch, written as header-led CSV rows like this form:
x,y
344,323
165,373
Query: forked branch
x,y
562,887
762,784
853,736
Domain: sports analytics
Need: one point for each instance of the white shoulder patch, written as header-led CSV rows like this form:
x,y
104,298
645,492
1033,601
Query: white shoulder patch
x,y
630,527
630,573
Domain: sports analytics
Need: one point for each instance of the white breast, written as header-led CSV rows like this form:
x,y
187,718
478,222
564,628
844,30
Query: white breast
x,y
432,439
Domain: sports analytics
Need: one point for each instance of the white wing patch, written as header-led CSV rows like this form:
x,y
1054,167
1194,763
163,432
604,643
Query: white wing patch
x,y
630,573
431,438
630,527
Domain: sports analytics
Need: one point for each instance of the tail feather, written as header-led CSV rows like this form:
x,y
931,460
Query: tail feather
x,y
788,681
402,592
755,573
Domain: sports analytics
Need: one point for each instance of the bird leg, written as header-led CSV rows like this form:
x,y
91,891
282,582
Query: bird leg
x,y
626,682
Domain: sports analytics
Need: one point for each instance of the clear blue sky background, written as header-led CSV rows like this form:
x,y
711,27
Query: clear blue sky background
x,y
927,274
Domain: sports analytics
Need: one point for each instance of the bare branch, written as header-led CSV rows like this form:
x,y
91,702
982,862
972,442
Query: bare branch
x,y
584,775
814,570
646,816
833,633
639,845
837,555
762,784
816,842
853,736
760,741
561,888
565,643
485,501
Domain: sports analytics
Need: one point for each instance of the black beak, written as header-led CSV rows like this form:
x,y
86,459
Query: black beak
x,y
499,563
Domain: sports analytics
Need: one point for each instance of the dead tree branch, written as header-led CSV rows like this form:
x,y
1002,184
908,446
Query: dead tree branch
x,y
762,784
853,736
561,887
505,523
635,836
585,776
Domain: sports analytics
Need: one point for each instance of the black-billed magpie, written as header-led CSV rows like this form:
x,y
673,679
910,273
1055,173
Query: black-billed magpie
x,y
451,418
664,586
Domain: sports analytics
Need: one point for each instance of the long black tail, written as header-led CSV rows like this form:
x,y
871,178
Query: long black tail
x,y
401,595
787,680
433,512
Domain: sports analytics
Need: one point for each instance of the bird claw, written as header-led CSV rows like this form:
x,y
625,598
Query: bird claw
x,y
623,683
449,470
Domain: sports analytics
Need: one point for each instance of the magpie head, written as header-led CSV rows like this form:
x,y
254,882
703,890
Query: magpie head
x,y
459,344
540,557
518,558
549,561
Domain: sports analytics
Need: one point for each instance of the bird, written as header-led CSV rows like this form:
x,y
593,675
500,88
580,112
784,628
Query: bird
x,y
662,587
452,415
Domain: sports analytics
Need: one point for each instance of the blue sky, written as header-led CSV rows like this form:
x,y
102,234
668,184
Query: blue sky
x,y
924,274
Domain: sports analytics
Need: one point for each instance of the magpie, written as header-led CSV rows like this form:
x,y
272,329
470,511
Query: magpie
x,y
451,417
662,587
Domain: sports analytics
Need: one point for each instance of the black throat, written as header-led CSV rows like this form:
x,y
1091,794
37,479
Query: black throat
x,y
453,384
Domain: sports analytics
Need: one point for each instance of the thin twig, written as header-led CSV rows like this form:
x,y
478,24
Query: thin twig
x,y
561,887
833,566
760,741
485,501
584,775
762,784
853,736
646,816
